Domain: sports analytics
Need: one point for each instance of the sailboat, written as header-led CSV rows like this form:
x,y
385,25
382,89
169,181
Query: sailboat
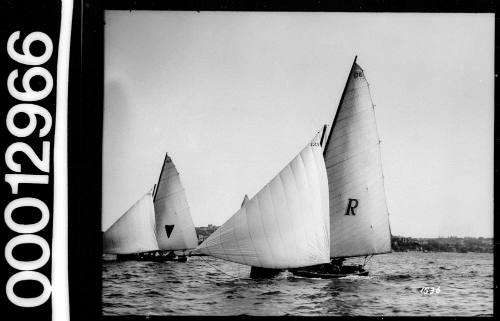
x,y
155,226
357,211
285,225
245,199
134,231
359,217
174,225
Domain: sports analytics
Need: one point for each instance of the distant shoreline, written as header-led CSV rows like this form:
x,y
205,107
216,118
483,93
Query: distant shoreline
x,y
418,251
443,244
450,244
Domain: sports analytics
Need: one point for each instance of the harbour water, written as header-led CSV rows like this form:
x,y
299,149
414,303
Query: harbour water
x,y
209,286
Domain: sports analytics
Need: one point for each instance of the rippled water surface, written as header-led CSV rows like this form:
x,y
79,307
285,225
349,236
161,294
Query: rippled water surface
x,y
209,286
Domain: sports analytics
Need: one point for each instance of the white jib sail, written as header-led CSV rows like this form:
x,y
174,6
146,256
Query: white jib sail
x,y
285,224
359,219
134,231
174,224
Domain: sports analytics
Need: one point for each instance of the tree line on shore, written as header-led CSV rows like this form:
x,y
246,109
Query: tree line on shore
x,y
403,244
443,244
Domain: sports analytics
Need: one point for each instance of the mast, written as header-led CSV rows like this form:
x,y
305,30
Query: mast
x,y
159,176
340,104
323,135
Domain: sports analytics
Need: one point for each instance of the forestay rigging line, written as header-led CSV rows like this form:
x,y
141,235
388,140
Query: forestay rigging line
x,y
233,276
216,268
252,284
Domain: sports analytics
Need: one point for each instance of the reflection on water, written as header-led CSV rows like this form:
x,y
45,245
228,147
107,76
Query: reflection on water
x,y
209,286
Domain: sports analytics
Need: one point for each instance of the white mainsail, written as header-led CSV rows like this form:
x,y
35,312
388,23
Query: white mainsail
x,y
134,231
359,218
174,225
285,224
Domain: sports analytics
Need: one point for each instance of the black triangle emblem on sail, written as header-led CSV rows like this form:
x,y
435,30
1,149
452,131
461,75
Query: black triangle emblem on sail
x,y
168,229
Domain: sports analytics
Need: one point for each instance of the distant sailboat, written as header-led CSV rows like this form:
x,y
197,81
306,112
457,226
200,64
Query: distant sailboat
x,y
359,218
134,231
174,224
245,199
285,224
154,228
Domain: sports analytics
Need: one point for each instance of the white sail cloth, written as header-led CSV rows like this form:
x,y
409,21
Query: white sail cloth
x,y
134,231
285,224
359,219
174,225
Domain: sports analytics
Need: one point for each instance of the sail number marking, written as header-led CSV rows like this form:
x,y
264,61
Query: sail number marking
x,y
358,74
37,117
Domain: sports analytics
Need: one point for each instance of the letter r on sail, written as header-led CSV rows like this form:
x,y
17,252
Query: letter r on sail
x,y
353,203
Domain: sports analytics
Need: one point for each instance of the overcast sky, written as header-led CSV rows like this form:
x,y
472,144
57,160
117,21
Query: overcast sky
x,y
233,97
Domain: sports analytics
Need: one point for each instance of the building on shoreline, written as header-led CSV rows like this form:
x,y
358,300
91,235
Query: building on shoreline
x,y
204,231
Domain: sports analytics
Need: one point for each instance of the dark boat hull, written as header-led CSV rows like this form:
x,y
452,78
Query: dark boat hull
x,y
163,259
263,273
330,271
156,256
323,271
313,274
